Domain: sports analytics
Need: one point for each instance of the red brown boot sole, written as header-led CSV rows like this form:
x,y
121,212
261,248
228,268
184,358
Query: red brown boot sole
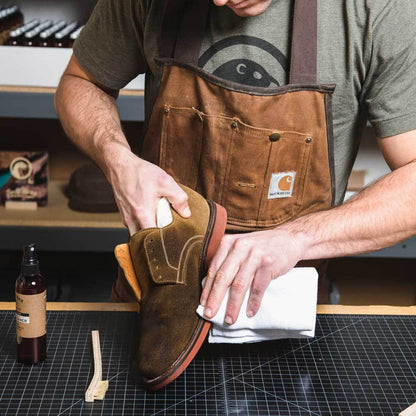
x,y
216,228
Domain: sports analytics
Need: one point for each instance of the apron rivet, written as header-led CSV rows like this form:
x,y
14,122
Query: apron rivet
x,y
274,137
308,139
234,125
166,110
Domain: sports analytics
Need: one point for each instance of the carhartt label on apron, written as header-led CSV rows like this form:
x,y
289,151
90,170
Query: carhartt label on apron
x,y
31,315
281,185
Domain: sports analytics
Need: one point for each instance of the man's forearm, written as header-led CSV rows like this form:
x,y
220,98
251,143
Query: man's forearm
x,y
89,117
379,216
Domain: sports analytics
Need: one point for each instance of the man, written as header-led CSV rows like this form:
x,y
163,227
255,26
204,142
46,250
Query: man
x,y
366,47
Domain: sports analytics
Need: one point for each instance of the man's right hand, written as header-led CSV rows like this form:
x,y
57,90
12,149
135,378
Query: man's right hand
x,y
89,116
138,185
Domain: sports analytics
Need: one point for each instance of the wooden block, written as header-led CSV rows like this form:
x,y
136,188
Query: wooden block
x,y
97,388
410,411
23,205
356,180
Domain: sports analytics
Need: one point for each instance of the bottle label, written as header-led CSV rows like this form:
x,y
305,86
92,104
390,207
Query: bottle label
x,y
31,315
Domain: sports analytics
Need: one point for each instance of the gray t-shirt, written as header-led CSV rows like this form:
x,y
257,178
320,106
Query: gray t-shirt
x,y
366,47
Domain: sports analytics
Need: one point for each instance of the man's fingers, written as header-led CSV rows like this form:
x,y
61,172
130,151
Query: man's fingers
x,y
132,227
218,291
178,198
146,219
239,287
215,265
259,285
222,281
223,278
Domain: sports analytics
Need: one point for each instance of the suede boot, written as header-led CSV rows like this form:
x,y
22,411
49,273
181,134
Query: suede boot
x,y
169,264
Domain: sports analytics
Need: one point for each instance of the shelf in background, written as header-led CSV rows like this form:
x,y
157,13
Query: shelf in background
x,y
58,228
37,102
57,214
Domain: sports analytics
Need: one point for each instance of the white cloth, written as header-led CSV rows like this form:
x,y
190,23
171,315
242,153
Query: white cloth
x,y
288,310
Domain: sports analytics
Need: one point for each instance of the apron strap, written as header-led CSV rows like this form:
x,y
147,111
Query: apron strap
x,y
183,29
304,43
170,27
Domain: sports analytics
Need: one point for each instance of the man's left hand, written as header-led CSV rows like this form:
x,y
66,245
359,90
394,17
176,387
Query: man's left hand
x,y
248,261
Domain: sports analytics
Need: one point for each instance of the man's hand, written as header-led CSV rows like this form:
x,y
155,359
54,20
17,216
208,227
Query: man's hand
x,y
138,185
88,112
248,261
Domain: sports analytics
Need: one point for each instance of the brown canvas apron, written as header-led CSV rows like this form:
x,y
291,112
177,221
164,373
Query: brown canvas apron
x,y
265,154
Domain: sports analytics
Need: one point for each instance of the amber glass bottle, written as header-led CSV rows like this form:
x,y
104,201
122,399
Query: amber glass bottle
x,y
30,310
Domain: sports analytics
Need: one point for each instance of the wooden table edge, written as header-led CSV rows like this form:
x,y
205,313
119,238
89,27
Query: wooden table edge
x,y
321,309
79,306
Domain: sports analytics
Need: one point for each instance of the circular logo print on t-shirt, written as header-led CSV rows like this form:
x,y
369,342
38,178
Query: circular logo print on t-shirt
x,y
244,70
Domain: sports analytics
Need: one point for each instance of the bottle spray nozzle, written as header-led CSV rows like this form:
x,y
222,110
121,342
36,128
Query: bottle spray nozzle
x,y
29,254
30,263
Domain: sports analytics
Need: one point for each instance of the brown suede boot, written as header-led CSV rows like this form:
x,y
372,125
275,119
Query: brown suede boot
x,y
170,263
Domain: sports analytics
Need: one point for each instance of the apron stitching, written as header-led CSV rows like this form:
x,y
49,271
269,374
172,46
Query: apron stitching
x,y
305,164
266,174
163,141
201,148
223,197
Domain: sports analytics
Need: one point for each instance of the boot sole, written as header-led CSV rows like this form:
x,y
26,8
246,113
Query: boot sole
x,y
216,228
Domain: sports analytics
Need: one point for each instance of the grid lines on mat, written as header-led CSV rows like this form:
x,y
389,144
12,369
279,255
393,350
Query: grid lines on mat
x,y
355,365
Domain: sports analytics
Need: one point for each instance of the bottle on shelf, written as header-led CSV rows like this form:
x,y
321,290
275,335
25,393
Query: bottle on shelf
x,y
73,36
46,37
31,37
10,18
30,309
16,36
61,39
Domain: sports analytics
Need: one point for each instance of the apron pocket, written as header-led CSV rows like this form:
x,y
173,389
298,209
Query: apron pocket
x,y
180,146
286,179
257,174
266,175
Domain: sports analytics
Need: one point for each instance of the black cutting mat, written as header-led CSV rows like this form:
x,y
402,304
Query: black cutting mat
x,y
356,365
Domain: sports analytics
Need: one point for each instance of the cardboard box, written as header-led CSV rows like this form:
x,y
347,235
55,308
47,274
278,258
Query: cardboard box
x,y
24,177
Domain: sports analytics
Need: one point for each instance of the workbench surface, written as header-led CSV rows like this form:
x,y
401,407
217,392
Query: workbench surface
x,y
361,362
